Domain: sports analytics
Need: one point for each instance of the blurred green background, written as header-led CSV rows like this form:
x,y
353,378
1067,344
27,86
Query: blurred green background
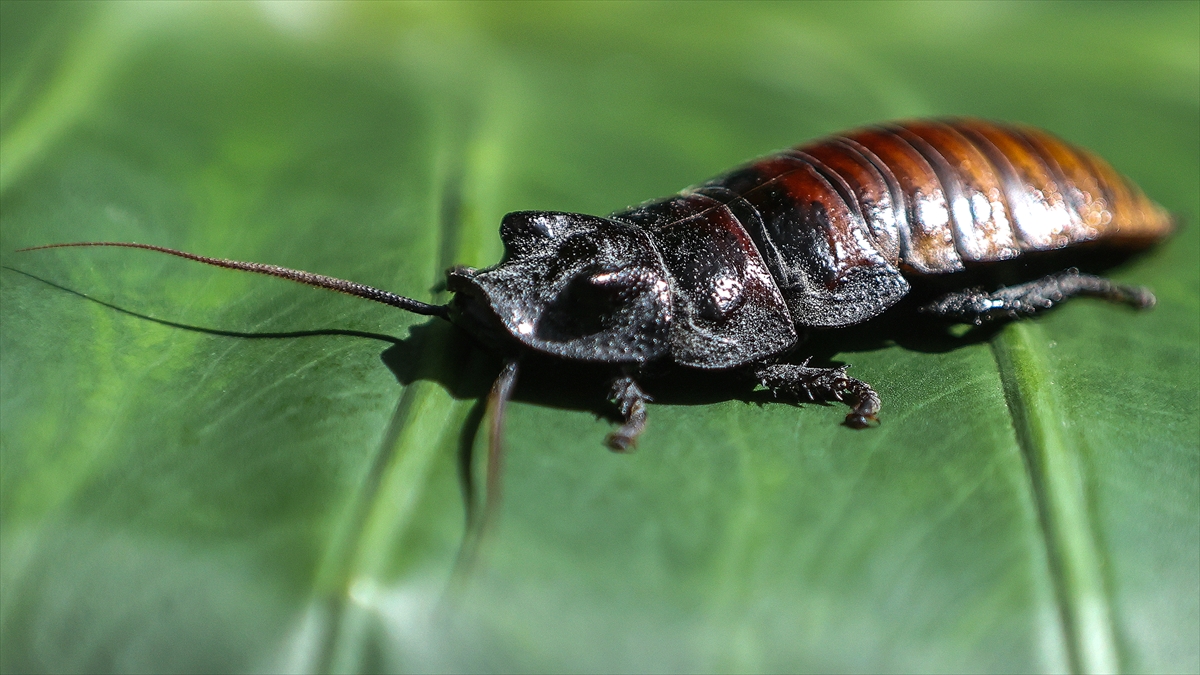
x,y
176,500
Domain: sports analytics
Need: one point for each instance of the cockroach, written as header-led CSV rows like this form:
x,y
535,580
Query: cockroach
x,y
728,275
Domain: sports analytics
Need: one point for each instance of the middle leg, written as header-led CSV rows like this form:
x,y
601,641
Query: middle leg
x,y
822,384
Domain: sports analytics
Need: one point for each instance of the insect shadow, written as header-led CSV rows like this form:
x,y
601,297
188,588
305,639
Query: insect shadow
x,y
445,354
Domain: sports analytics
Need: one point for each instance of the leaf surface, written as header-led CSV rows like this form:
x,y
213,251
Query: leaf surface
x,y
204,471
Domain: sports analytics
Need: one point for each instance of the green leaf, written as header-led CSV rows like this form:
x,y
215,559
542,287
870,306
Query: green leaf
x,y
206,471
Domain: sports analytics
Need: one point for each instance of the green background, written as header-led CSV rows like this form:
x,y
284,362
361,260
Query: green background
x,y
230,499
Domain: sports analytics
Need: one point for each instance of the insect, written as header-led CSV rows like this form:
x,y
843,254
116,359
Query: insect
x,y
728,275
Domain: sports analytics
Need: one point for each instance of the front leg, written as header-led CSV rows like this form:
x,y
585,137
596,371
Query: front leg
x,y
822,384
631,401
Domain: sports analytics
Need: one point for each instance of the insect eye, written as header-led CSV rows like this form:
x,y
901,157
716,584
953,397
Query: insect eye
x,y
590,303
599,293
610,283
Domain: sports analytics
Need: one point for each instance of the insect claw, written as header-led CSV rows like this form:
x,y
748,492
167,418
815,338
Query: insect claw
x,y
618,442
857,421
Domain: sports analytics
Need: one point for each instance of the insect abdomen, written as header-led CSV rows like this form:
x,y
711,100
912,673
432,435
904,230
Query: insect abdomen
x,y
966,191
842,221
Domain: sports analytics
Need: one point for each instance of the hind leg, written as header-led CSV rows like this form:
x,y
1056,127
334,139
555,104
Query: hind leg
x,y
977,305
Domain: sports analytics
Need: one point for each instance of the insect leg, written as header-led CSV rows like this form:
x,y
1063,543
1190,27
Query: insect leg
x,y
977,305
631,401
822,384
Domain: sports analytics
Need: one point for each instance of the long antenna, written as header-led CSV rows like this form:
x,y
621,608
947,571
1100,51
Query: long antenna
x,y
479,524
498,399
318,280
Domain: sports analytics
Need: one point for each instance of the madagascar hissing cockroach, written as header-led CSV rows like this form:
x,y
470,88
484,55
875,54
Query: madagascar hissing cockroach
x,y
727,275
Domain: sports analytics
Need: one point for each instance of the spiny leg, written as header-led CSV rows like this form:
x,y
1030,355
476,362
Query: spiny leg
x,y
977,305
631,401
822,384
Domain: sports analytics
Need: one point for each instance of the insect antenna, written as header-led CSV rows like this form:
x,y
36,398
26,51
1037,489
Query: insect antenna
x,y
498,399
319,280
477,527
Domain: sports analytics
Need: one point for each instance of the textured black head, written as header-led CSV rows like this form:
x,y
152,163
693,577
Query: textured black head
x,y
571,285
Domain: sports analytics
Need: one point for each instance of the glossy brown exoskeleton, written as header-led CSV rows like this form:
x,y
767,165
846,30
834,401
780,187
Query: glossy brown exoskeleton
x,y
729,274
